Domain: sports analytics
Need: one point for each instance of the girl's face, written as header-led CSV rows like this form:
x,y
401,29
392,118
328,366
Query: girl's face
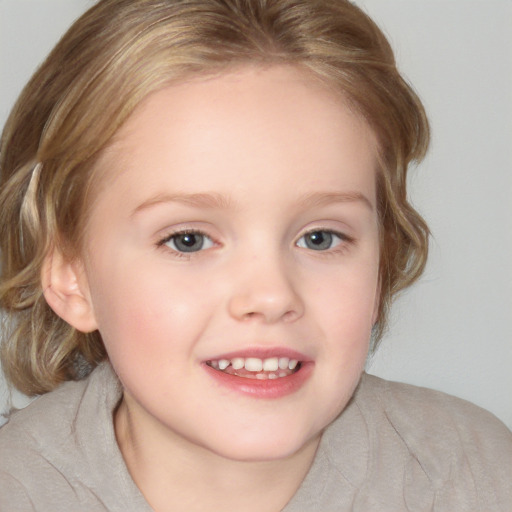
x,y
231,260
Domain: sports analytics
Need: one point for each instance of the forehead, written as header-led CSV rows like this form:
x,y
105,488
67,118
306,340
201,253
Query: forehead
x,y
242,126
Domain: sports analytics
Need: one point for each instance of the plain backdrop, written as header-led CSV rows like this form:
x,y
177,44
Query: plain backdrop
x,y
452,331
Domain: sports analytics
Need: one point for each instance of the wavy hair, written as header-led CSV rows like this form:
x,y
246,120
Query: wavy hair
x,y
112,57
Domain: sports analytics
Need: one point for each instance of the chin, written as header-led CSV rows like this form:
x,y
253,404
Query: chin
x,y
265,445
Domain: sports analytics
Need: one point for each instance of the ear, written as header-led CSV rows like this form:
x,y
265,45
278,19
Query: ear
x,y
66,291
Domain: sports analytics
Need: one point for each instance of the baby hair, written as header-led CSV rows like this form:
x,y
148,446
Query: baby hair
x,y
113,57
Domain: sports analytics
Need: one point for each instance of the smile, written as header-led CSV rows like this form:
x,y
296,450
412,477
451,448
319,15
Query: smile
x,y
263,374
255,368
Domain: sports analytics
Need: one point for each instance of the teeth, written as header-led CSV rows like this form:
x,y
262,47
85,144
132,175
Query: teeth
x,y
237,363
253,364
271,365
275,366
283,363
223,364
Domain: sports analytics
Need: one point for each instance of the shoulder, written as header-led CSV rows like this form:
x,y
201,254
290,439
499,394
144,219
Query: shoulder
x,y
458,447
52,417
30,431
398,448
48,444
40,431
31,444
424,414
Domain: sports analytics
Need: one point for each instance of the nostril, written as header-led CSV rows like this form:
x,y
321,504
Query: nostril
x,y
251,315
290,316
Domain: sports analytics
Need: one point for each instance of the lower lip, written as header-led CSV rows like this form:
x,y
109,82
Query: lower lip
x,y
269,388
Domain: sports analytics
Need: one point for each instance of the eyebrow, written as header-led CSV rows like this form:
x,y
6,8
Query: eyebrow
x,y
213,200
325,198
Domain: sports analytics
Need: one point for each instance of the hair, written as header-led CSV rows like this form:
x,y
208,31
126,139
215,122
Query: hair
x,y
113,57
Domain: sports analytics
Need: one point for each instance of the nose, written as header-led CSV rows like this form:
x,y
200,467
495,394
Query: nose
x,y
264,290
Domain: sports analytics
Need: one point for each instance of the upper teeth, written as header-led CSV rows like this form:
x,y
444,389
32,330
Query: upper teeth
x,y
254,364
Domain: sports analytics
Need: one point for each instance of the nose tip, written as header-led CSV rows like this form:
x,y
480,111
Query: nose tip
x,y
267,298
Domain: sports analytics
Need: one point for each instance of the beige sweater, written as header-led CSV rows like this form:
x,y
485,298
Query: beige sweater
x,y
394,448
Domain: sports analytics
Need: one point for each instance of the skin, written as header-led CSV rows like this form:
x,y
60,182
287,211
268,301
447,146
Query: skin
x,y
254,159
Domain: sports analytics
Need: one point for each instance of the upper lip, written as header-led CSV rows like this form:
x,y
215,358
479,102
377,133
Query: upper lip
x,y
263,353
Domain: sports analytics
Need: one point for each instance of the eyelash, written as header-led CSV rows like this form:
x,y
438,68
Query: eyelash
x,y
176,252
344,241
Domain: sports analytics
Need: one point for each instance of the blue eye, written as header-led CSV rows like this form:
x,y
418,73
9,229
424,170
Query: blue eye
x,y
189,241
320,240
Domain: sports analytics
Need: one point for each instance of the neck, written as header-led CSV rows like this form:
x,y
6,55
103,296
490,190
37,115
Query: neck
x,y
176,474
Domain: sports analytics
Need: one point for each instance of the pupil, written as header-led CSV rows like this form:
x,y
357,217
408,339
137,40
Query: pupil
x,y
319,240
189,242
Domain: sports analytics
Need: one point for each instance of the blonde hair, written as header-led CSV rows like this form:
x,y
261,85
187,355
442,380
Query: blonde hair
x,y
113,57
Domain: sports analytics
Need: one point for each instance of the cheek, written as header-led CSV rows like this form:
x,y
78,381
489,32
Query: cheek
x,y
345,307
143,308
346,298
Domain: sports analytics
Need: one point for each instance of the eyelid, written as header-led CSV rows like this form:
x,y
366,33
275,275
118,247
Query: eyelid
x,y
183,231
192,227
342,236
163,241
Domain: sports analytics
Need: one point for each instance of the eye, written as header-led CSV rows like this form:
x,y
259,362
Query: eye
x,y
188,241
320,240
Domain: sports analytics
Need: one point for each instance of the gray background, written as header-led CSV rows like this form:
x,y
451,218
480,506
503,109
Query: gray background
x,y
452,331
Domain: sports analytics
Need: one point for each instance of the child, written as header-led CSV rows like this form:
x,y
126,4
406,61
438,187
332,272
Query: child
x,y
203,222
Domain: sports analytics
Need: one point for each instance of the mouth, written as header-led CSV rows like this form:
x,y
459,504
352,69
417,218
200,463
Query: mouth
x,y
271,368
266,374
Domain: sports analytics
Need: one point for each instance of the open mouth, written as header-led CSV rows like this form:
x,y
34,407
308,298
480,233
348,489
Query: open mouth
x,y
254,368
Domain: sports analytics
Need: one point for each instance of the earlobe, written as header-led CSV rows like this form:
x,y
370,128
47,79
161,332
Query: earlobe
x,y
66,292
